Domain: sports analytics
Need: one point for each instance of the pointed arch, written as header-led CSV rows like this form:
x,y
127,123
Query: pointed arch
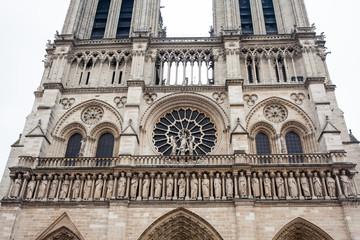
x,y
301,229
62,228
180,224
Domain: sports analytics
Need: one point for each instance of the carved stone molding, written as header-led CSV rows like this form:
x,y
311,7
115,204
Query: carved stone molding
x,y
298,97
92,115
150,98
219,97
120,101
67,102
250,99
275,113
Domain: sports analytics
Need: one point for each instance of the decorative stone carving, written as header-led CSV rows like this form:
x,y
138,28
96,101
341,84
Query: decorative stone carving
x,y
250,99
242,185
169,187
15,190
92,115
110,187
275,113
76,187
255,186
217,186
87,188
120,101
305,186
346,185
67,102
82,148
182,185
121,186
98,187
267,186
158,186
293,191
219,97
42,188
194,185
150,98
30,188
134,186
54,187
298,98
280,186
146,187
205,186
317,186
64,187
331,185
229,186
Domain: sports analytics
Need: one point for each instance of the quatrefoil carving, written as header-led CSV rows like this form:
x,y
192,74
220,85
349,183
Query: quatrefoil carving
x,y
120,101
250,99
150,97
298,98
67,102
219,97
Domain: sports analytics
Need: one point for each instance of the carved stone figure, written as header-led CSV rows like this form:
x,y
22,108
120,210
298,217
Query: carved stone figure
x,y
280,186
242,185
173,145
121,186
30,188
183,144
134,186
82,148
205,185
191,143
229,186
217,186
76,187
110,187
64,187
87,188
255,186
158,186
146,187
42,188
267,186
194,184
317,186
54,187
305,185
346,184
293,191
15,190
182,185
169,186
98,187
331,185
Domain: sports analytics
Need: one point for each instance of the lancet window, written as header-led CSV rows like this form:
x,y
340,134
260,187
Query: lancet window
x,y
73,146
280,69
293,143
105,146
101,16
262,144
184,67
124,24
269,17
253,71
245,17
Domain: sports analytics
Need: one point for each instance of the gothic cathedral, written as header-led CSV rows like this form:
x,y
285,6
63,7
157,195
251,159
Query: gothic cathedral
x,y
134,135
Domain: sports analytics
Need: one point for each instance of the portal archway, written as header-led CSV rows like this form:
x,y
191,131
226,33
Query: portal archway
x,y
180,224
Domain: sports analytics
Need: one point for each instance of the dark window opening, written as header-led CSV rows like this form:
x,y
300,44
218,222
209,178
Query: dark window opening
x,y
277,74
124,24
250,75
101,16
263,147
87,78
120,77
293,143
73,146
269,17
113,78
105,146
284,72
81,75
245,17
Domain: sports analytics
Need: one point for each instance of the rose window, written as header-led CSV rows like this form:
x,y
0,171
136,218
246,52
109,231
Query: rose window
x,y
275,113
184,131
92,115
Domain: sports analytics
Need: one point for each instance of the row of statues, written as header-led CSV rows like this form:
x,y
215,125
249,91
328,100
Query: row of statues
x,y
185,186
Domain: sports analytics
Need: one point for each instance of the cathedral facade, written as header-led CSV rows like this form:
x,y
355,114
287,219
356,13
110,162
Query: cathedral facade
x,y
135,135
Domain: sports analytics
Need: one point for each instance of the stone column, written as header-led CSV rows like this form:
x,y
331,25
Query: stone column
x,y
260,174
248,175
297,175
163,186
322,175
235,174
48,186
176,175
83,177
187,175
287,195
152,175
199,188
127,192
23,187
92,187
338,186
311,185
139,197
223,190
211,175
70,187
116,175
38,179
61,177
104,188
272,176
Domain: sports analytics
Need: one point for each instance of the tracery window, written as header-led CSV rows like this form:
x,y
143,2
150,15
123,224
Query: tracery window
x,y
73,146
124,24
269,17
101,16
253,70
184,131
105,146
245,17
280,69
262,144
293,143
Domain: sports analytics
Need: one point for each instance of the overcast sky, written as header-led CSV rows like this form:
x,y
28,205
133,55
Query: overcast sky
x,y
27,25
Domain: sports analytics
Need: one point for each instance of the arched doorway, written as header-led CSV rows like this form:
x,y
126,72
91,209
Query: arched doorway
x,y
180,224
300,229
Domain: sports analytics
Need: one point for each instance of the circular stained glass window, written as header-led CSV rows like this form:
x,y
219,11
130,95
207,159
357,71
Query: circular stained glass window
x,y
184,131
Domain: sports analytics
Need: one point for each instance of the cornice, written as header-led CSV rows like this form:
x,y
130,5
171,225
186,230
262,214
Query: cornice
x,y
275,86
181,88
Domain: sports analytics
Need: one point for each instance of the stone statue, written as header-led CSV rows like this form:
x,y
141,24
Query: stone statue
x,y
346,184
205,185
30,188
229,186
87,187
305,186
169,186
280,186
182,185
183,144
255,186
98,187
121,186
331,185
293,191
64,187
110,187
134,186
15,190
173,145
267,186
217,186
194,184
82,148
54,187
191,143
76,187
317,186
242,185
42,188
158,186
145,187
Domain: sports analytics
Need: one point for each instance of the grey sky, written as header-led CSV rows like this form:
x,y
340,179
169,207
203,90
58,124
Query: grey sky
x,y
26,25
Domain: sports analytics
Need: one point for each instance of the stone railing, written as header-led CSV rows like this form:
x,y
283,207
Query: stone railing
x,y
158,160
187,40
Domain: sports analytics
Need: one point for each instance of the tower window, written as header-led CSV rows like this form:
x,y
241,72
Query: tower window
x,y
73,146
105,146
101,16
245,17
124,24
269,17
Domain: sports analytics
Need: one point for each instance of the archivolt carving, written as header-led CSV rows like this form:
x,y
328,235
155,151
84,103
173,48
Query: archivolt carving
x,y
71,129
301,229
261,126
101,128
294,126
180,224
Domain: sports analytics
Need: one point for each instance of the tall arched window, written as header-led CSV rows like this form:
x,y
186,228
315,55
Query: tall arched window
x,y
269,17
263,147
245,17
105,146
124,24
293,143
73,146
101,17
